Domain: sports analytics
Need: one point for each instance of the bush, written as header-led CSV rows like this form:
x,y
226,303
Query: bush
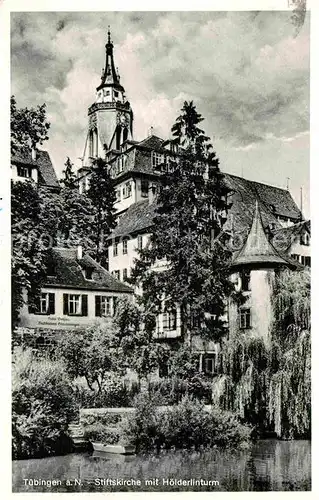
x,y
114,394
42,406
167,391
185,425
100,433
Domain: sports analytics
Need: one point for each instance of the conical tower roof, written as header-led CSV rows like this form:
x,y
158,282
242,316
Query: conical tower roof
x,y
257,248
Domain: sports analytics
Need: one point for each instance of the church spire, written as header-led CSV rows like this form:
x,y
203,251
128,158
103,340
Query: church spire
x,y
110,77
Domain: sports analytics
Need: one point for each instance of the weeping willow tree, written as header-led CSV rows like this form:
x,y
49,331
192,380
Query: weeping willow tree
x,y
289,397
269,384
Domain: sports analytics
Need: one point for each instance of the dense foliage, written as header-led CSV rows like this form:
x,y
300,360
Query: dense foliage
x,y
102,195
28,248
29,126
42,406
185,425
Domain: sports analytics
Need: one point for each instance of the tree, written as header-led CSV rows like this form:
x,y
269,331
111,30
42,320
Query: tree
x,y
29,126
269,384
191,203
69,175
102,195
90,354
136,347
27,262
42,406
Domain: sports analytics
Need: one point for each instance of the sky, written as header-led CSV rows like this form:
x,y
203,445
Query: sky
x,y
247,73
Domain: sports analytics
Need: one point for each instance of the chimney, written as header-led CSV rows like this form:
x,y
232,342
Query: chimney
x,y
33,154
79,252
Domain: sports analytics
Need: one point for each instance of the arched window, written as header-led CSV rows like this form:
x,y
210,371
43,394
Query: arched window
x,y
91,143
125,134
118,137
95,143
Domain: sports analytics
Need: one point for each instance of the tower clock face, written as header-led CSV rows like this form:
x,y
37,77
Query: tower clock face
x,y
123,119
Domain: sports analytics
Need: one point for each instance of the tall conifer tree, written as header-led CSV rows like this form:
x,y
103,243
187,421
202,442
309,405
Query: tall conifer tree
x,y
102,194
189,216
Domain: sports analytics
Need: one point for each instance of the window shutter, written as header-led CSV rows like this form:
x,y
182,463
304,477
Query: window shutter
x,y
114,304
51,303
98,305
84,305
65,303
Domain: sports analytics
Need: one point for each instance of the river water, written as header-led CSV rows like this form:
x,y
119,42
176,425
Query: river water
x,y
268,465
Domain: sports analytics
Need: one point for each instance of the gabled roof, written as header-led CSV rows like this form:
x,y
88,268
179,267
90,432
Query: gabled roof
x,y
257,248
284,237
47,175
67,272
152,142
137,219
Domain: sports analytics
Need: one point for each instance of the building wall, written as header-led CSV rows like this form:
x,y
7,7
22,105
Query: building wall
x,y
125,261
61,321
258,301
125,202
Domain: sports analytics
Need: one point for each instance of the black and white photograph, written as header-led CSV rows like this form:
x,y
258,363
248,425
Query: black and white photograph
x,y
160,250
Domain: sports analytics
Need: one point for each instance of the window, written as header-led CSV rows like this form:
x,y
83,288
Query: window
x,y
195,321
116,94
157,159
144,188
115,249
244,319
295,256
245,281
305,260
74,304
47,303
209,363
305,239
169,320
118,194
103,305
308,261
127,190
139,242
116,274
44,303
124,246
125,274
88,273
24,171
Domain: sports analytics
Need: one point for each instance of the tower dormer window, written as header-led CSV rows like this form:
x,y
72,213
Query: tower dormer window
x,y
157,159
24,171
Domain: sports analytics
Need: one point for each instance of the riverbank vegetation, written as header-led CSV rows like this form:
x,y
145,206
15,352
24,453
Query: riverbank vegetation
x,y
42,406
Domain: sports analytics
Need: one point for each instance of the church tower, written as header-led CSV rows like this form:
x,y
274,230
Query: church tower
x,y
110,116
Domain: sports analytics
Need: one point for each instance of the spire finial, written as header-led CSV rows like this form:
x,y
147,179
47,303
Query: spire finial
x,y
108,35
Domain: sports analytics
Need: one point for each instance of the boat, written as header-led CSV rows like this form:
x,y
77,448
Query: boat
x,y
120,449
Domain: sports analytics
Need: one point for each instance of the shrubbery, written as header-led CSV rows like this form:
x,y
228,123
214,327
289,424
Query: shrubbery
x,y
185,425
42,406
170,391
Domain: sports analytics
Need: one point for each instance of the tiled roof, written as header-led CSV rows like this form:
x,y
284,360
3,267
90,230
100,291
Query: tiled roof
x,y
67,272
47,175
137,218
285,236
257,248
152,142
273,201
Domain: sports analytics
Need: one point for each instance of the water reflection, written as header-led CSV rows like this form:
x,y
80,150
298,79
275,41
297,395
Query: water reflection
x,y
269,465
